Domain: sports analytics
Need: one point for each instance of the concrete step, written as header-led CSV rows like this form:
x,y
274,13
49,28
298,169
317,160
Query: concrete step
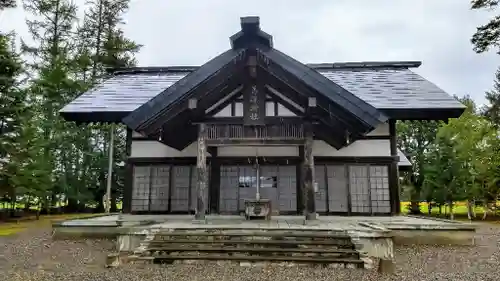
x,y
248,251
277,251
347,262
256,233
254,241
327,247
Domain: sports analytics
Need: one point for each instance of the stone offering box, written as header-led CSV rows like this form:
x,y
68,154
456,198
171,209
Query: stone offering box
x,y
258,209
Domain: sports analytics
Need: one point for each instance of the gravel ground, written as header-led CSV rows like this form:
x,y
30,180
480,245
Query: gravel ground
x,y
32,255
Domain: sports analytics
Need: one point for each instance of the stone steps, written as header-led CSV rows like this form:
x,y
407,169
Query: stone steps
x,y
303,247
255,243
231,250
339,262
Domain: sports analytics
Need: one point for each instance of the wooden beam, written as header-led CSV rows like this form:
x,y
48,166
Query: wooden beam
x,y
308,166
204,92
329,115
214,184
300,182
201,165
327,106
270,120
230,98
393,170
129,175
257,142
285,103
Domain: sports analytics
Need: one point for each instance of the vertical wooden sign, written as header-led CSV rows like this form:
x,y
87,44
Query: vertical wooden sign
x,y
254,105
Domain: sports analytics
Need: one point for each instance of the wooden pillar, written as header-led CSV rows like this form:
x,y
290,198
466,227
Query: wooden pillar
x,y
214,184
129,176
394,171
308,174
201,165
300,182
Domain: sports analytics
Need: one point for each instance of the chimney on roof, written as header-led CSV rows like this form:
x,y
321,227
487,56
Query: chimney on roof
x,y
250,24
251,35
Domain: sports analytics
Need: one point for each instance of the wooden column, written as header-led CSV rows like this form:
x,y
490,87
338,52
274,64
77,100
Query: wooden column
x,y
308,173
201,165
214,184
129,176
300,183
394,171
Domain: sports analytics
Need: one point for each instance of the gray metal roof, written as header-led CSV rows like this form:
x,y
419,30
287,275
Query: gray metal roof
x,y
383,85
397,88
123,92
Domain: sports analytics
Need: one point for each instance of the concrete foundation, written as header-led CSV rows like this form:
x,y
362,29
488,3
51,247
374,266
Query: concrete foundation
x,y
404,230
373,238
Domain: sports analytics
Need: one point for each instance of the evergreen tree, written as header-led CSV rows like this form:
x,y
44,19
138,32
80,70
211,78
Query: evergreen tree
x,y
52,27
102,45
7,4
492,111
414,139
11,108
487,35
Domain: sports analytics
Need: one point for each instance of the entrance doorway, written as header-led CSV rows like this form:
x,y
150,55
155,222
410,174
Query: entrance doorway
x,y
277,183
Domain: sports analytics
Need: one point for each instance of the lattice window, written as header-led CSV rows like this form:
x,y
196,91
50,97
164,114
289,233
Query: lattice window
x,y
160,176
379,189
359,188
140,190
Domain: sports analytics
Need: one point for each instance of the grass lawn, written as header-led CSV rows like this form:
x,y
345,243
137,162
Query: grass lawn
x,y
459,209
10,228
21,206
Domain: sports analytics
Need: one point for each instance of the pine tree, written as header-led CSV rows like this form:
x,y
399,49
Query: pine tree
x,y
487,35
11,108
415,139
102,45
492,111
52,29
7,4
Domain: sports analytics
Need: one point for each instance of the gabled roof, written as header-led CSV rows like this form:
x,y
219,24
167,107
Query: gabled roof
x,y
391,87
222,67
253,58
122,93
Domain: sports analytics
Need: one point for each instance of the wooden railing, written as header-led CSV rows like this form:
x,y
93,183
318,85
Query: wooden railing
x,y
285,131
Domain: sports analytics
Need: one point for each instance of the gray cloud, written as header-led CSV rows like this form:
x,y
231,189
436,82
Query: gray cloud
x,y
190,32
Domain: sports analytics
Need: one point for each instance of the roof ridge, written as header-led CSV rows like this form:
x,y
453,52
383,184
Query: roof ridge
x,y
151,69
366,64
317,66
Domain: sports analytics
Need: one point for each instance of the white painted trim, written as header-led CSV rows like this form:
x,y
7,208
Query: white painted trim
x,y
152,148
382,130
227,97
360,148
252,151
280,95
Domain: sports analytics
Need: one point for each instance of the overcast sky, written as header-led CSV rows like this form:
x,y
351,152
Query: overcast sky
x,y
190,32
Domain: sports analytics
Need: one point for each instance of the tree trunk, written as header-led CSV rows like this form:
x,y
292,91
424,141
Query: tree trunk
x,y
415,201
27,204
113,203
38,210
452,216
72,206
440,209
470,210
429,208
485,208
